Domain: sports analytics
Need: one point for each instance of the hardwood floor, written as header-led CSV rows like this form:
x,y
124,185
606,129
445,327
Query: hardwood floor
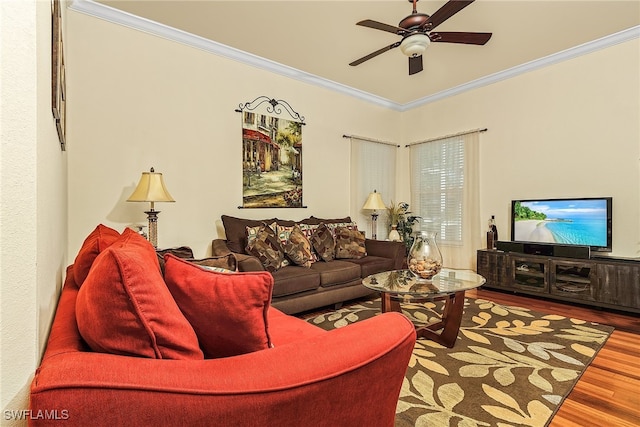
x,y
608,393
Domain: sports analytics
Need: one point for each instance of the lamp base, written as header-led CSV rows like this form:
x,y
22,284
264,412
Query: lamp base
x,y
152,215
374,226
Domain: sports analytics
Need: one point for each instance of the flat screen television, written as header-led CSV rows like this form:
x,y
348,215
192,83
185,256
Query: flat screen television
x,y
573,221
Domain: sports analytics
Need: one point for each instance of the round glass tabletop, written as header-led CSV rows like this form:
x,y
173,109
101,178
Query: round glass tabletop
x,y
403,282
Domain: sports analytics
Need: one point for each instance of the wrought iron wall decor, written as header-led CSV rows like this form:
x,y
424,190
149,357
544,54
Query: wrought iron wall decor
x,y
271,155
274,108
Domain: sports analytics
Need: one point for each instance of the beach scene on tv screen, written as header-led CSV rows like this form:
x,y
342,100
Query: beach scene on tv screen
x,y
572,222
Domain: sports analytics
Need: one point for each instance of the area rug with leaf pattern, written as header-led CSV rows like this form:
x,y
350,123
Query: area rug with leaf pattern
x,y
510,366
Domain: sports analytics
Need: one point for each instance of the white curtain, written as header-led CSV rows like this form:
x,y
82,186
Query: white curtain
x,y
444,192
373,167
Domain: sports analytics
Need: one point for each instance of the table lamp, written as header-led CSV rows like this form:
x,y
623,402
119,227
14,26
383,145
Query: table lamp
x,y
374,202
151,189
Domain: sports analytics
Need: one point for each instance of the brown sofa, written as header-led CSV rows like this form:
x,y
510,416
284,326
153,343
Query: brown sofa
x,y
296,288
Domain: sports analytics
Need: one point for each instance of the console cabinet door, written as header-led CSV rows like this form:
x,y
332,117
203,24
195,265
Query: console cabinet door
x,y
530,273
619,284
494,267
573,279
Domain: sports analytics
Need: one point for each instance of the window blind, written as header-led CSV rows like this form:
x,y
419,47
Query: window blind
x,y
437,179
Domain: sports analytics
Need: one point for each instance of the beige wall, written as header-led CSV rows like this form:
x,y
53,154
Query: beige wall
x,y
142,101
32,199
567,130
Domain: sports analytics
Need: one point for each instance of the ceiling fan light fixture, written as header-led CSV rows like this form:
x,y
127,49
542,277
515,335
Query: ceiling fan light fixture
x,y
415,44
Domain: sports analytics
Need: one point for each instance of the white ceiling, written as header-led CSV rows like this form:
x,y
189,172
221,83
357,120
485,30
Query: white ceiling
x,y
320,38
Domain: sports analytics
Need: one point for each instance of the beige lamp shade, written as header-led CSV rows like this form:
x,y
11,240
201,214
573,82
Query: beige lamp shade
x,y
151,188
374,202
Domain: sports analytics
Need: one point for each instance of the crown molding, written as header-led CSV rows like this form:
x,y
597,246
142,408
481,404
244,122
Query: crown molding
x,y
583,49
107,13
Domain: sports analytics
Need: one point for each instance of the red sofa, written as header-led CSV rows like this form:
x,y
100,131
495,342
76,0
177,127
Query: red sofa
x,y
310,377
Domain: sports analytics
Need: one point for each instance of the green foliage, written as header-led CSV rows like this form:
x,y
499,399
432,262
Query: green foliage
x,y
523,212
399,214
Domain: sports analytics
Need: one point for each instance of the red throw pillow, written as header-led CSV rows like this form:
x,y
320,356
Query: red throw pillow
x,y
100,239
125,308
227,311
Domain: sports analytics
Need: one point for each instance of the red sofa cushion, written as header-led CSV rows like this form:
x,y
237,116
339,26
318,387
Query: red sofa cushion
x,y
285,329
227,311
125,308
98,240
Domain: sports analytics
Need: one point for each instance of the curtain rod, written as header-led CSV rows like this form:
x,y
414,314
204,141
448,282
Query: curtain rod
x,y
377,141
446,136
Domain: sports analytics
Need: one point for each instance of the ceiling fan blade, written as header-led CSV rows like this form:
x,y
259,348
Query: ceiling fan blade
x,y
374,54
460,37
381,26
449,9
415,64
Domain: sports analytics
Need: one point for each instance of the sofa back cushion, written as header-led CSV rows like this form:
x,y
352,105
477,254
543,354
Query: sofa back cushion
x,y
97,241
317,221
228,311
124,306
235,230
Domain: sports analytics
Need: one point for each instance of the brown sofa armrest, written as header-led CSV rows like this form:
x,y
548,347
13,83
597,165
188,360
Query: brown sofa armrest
x,y
219,247
387,249
245,262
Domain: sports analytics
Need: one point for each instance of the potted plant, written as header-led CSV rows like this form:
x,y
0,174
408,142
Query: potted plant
x,y
401,222
396,212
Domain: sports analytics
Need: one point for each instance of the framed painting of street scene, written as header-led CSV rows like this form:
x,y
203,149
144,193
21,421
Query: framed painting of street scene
x,y
271,161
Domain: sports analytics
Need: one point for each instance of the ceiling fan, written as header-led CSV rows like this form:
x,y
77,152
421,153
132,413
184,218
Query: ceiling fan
x,y
417,33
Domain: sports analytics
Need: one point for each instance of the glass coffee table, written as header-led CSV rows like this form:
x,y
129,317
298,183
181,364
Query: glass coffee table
x,y
398,286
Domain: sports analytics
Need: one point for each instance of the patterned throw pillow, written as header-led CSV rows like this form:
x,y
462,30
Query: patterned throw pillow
x,y
335,225
252,232
349,244
298,248
283,232
324,243
308,230
267,249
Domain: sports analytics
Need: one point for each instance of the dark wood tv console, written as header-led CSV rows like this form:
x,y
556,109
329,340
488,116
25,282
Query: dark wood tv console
x,y
599,281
